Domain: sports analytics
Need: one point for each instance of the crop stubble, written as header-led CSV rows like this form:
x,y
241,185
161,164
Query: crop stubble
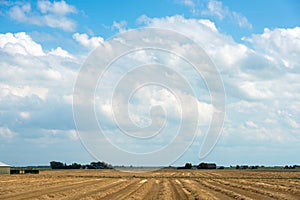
x,y
161,184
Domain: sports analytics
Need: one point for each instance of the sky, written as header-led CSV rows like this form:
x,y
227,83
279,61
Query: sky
x,y
254,45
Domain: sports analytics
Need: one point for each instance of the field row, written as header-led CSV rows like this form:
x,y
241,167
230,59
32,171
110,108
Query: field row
x,y
154,185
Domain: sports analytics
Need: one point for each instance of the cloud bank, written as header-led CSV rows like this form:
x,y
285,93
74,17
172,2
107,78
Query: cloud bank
x,y
47,13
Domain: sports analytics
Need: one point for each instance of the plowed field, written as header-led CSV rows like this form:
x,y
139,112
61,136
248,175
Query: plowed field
x,y
161,184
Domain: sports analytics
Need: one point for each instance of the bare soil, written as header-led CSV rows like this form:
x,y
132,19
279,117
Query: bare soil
x,y
160,184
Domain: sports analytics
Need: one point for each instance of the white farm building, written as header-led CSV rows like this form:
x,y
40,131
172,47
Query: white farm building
x,y
4,168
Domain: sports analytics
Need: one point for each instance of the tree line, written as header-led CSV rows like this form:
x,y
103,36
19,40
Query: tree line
x,y
200,166
92,165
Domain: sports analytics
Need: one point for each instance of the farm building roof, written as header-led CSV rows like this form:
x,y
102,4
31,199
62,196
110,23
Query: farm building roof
x,y
3,164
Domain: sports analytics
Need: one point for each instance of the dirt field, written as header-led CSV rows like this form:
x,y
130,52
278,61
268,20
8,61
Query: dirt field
x,y
162,184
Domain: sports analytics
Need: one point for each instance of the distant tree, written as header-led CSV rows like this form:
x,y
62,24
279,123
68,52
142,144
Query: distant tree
x,y
207,166
100,165
76,166
244,167
188,166
93,165
237,167
56,165
290,167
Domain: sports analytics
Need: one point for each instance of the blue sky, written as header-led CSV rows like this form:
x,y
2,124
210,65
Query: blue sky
x,y
254,44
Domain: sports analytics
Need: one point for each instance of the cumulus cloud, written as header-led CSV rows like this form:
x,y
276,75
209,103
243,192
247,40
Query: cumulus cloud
x,y
57,7
24,91
20,43
255,90
151,108
261,80
85,41
249,76
203,25
281,46
34,86
257,79
51,14
249,73
205,33
60,52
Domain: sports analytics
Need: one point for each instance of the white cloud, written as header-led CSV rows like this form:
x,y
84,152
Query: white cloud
x,y
282,46
53,74
152,107
246,108
50,14
20,43
85,41
23,91
60,52
39,83
292,123
57,7
120,26
34,86
257,90
251,124
241,20
255,83
285,116
50,137
220,47
6,133
25,115
68,99
189,3
72,134
256,87
204,26
217,9
208,23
